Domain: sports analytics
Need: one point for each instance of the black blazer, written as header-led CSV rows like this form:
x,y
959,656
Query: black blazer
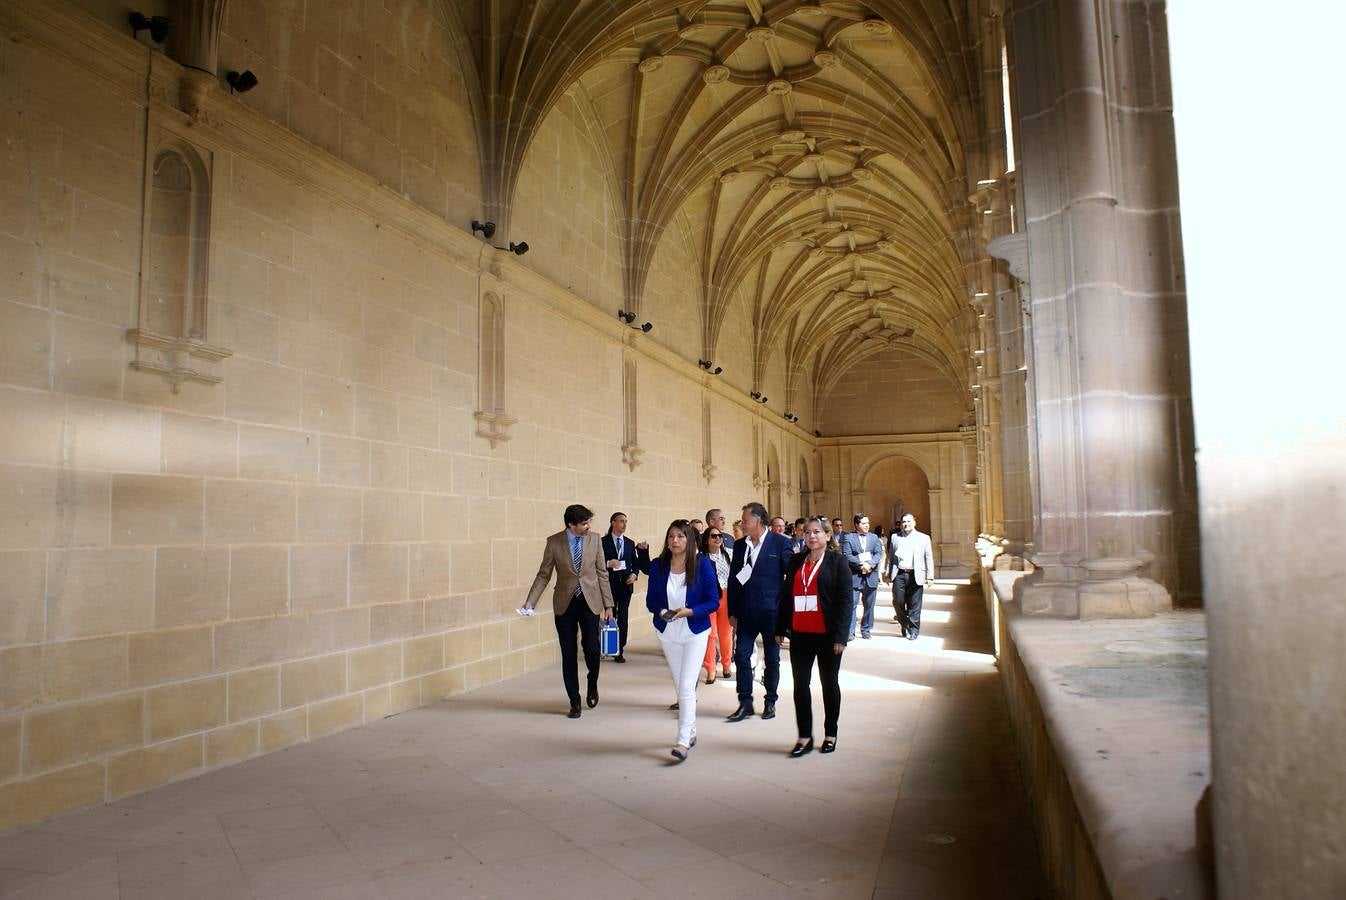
x,y
618,579
836,600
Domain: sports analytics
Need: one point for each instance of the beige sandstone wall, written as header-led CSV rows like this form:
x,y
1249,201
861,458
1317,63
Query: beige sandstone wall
x,y
191,579
895,392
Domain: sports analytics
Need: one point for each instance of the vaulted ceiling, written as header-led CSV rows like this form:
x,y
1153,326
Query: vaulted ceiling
x,y
817,151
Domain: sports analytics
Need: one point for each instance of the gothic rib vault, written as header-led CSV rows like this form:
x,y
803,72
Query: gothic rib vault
x,y
815,157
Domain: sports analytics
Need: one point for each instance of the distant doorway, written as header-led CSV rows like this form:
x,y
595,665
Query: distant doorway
x,y
894,487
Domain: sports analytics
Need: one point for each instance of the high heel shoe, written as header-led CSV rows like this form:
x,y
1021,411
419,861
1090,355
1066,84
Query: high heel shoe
x,y
801,748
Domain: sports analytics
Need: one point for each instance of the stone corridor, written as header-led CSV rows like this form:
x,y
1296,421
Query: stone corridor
x,y
494,793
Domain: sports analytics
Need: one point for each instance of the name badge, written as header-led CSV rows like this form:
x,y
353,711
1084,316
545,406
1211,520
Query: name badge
x,y
865,558
621,566
806,603
744,574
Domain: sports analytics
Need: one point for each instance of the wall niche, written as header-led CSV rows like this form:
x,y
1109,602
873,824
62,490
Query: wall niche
x,y
170,337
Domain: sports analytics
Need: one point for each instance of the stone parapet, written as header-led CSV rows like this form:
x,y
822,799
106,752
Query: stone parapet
x,y
1112,728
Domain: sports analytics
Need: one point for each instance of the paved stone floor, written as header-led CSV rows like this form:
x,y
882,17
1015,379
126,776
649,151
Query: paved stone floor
x,y
496,794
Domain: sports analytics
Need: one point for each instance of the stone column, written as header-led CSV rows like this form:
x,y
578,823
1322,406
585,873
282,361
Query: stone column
x,y
1109,321
194,41
1272,424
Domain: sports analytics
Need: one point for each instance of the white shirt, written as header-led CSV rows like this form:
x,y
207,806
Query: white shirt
x,y
677,630
904,550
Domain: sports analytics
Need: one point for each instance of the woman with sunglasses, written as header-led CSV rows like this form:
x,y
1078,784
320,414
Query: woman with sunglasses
x,y
683,594
818,623
712,546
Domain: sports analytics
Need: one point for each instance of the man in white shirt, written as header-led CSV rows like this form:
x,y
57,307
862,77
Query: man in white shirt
x,y
911,567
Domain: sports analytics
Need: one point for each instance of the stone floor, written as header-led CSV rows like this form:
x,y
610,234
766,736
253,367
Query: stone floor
x,y
496,794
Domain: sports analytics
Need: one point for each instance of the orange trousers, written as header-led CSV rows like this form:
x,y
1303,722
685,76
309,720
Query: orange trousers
x,y
719,628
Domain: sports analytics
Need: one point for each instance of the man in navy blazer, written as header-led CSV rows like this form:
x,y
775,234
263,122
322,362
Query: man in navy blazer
x,y
619,556
756,573
864,554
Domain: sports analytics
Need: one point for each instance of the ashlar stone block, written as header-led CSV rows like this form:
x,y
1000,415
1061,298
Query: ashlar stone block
x,y
74,732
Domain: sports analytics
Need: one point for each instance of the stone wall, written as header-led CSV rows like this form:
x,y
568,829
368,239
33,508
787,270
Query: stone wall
x,y
190,578
895,392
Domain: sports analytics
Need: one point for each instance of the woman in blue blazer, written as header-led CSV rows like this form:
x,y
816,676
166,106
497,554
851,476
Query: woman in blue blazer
x,y
683,594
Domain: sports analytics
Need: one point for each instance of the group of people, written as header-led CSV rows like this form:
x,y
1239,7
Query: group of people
x,y
711,588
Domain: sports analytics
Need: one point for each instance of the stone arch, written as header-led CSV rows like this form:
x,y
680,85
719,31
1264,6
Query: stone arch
x,y
926,513
774,480
896,487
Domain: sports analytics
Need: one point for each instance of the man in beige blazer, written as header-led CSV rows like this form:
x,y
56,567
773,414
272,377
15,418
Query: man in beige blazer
x,y
582,594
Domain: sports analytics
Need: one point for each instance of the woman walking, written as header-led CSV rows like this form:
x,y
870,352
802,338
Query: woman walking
x,y
683,594
817,623
712,547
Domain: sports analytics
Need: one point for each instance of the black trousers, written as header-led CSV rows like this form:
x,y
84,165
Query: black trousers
x,y
804,650
750,627
621,597
577,621
907,594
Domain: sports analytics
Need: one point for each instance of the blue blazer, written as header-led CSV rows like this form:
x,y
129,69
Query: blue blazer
x,y
758,598
852,545
703,598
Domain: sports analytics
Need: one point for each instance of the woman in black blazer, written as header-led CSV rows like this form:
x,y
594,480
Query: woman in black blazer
x,y
816,610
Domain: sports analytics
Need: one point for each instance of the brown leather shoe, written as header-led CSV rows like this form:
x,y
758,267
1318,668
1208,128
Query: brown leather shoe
x,y
574,712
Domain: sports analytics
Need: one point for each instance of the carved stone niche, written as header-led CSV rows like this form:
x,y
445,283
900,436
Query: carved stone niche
x,y
170,336
492,421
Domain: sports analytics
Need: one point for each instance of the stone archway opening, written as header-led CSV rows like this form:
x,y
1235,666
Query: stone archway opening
x,y
894,487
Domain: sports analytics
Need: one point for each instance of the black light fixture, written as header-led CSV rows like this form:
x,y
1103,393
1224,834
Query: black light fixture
x,y
157,26
790,417
518,249
709,366
764,399
646,327
487,229
626,316
756,395
241,82
817,433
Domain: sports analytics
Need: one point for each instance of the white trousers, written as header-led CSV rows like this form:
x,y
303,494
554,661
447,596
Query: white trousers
x,y
684,655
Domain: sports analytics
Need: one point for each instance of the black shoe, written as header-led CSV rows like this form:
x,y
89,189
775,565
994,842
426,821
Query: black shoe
x,y
574,711
801,748
829,744
769,711
619,658
592,699
744,710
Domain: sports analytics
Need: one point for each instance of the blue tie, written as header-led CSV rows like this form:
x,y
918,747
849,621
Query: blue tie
x,y
576,549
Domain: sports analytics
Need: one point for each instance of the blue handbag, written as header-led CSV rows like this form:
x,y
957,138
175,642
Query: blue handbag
x,y
609,640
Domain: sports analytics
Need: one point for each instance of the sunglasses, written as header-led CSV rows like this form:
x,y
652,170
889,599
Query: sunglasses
x,y
714,537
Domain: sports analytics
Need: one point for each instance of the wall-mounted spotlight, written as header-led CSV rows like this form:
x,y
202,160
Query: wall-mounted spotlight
x,y
646,327
709,366
241,82
756,395
626,316
764,399
487,229
791,417
518,249
157,26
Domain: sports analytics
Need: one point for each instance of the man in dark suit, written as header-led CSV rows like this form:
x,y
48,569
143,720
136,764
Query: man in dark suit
x,y
582,594
755,577
864,554
619,554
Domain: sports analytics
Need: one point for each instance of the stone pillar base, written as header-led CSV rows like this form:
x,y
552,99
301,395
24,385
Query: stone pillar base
x,y
1114,598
